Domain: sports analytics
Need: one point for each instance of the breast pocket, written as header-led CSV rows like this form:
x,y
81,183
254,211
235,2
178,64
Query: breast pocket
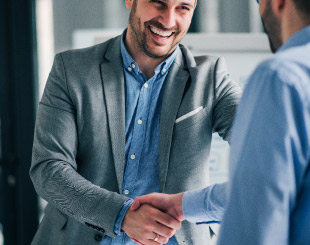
x,y
191,118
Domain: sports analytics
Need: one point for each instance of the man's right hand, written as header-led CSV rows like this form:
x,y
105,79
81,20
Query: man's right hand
x,y
168,203
148,224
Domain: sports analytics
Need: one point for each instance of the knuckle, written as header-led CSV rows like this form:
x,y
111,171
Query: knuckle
x,y
172,223
165,240
170,233
148,225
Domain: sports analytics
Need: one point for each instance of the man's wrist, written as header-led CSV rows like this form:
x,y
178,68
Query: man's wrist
x,y
121,216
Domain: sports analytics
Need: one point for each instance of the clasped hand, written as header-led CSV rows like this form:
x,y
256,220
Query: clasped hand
x,y
154,218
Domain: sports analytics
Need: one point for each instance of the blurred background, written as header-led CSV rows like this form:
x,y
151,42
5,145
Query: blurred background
x,y
33,31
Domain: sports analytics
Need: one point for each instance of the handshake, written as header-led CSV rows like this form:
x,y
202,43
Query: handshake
x,y
154,218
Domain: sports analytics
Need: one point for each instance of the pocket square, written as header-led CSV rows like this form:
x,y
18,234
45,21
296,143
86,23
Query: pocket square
x,y
190,114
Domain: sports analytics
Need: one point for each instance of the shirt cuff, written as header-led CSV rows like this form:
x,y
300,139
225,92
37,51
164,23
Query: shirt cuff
x,y
121,216
206,205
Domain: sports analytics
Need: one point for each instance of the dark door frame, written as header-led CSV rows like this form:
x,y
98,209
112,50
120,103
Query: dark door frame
x,y
18,91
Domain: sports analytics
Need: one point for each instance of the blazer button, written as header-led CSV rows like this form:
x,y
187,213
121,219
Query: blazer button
x,y
98,237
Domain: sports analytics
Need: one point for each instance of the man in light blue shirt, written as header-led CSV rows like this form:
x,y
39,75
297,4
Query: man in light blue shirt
x,y
269,192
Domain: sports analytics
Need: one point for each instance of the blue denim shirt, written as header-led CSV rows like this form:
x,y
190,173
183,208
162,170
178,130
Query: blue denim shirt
x,y
142,108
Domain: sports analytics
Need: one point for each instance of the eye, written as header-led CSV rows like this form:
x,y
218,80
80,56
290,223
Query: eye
x,y
184,8
158,2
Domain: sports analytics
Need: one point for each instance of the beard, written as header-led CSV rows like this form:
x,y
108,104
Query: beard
x,y
272,27
139,35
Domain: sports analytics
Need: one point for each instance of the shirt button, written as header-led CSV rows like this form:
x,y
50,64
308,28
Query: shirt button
x,y
133,66
129,69
126,192
139,121
164,70
146,85
133,157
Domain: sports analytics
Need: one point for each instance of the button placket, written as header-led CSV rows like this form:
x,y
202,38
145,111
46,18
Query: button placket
x,y
138,137
136,149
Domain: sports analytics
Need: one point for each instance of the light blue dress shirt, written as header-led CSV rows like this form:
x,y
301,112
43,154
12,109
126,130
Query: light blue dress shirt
x,y
270,152
269,192
142,108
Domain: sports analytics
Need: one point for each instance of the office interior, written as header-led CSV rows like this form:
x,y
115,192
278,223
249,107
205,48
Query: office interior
x,y
33,31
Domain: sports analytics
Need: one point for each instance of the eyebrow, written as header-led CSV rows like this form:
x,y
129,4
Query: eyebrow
x,y
187,4
182,3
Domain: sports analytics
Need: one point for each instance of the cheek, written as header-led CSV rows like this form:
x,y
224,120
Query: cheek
x,y
260,10
184,24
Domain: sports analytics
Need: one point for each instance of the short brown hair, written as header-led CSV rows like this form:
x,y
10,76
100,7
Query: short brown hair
x,y
303,6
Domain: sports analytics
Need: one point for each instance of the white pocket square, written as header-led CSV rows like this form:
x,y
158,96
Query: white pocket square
x,y
190,114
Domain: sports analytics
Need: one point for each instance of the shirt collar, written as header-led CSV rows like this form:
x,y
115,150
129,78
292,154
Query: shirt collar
x,y
130,64
299,38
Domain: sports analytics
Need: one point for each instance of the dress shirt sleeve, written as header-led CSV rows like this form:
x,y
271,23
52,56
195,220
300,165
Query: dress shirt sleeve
x,y
206,205
121,216
267,159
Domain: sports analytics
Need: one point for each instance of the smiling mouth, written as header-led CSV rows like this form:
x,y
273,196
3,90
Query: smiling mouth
x,y
158,32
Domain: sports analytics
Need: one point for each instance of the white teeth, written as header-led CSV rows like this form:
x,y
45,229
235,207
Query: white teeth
x,y
160,33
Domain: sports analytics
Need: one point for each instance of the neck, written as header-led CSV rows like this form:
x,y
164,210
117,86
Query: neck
x,y
146,63
293,21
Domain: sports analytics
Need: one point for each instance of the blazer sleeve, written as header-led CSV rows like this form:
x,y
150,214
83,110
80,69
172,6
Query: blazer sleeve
x,y
227,96
54,167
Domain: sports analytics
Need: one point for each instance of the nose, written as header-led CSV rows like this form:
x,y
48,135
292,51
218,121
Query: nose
x,y
168,18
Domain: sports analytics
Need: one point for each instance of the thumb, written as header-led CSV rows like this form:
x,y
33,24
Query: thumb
x,y
135,205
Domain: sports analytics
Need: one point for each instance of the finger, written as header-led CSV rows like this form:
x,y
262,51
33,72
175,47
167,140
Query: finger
x,y
146,199
150,242
160,239
136,241
153,238
135,205
167,220
146,241
163,231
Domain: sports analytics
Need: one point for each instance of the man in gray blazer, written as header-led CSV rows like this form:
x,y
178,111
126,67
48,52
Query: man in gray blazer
x,y
124,118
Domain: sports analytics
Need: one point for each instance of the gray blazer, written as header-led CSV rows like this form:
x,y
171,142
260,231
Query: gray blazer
x,y
79,144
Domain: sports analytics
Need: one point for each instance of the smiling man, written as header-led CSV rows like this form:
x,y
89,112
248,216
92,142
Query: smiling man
x,y
269,192
125,118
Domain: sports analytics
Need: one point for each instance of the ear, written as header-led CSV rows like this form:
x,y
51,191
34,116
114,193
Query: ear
x,y
129,3
280,4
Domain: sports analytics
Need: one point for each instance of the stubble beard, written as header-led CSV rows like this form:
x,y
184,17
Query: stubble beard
x,y
139,37
272,27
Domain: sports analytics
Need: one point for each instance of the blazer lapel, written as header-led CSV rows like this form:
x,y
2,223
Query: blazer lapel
x,y
114,92
174,88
